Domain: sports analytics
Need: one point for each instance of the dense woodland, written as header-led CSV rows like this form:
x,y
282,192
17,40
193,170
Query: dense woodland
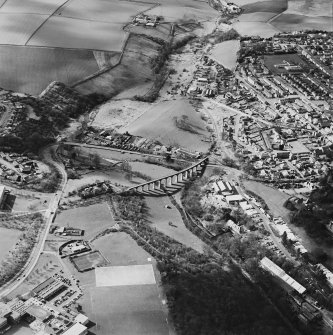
x,y
318,211
206,294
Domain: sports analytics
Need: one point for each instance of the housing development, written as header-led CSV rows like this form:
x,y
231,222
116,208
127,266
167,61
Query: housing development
x,y
166,167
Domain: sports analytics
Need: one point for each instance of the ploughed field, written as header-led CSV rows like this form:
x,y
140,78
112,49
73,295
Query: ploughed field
x,y
68,37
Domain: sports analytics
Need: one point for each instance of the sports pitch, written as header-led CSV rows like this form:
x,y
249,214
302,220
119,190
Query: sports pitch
x,y
125,275
88,261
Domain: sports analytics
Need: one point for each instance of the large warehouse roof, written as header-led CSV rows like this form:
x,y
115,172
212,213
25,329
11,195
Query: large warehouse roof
x,y
270,266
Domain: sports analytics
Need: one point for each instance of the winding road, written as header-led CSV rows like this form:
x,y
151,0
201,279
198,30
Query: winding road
x,y
48,154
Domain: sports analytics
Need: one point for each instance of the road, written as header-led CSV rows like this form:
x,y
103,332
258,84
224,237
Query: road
x,y
49,215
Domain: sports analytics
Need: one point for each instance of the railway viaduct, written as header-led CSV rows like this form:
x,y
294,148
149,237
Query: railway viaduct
x,y
169,183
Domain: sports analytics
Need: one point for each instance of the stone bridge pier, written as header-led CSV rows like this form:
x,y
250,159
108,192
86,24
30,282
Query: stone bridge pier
x,y
171,182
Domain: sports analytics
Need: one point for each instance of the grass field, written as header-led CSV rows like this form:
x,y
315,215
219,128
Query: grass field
x,y
258,28
122,310
31,69
174,10
31,6
117,114
292,22
274,198
271,60
273,6
160,216
256,17
159,123
62,32
93,219
118,249
103,11
311,8
8,238
88,261
154,171
226,53
127,275
15,29
133,72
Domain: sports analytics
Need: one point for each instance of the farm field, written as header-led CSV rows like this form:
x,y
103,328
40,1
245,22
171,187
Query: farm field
x,y
159,123
31,69
184,10
64,32
104,11
160,216
8,238
274,6
134,73
290,22
30,6
256,17
258,28
311,8
93,219
225,53
121,310
16,29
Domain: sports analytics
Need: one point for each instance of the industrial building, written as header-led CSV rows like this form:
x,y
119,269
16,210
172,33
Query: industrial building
x,y
275,270
76,329
49,289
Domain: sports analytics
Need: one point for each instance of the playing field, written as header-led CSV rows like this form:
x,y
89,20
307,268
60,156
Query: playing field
x,y
93,219
125,275
123,299
88,261
271,60
159,123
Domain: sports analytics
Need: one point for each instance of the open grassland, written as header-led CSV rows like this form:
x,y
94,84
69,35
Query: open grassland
x,y
117,114
104,11
31,6
8,238
31,69
121,310
225,53
159,123
62,32
16,29
160,217
93,219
